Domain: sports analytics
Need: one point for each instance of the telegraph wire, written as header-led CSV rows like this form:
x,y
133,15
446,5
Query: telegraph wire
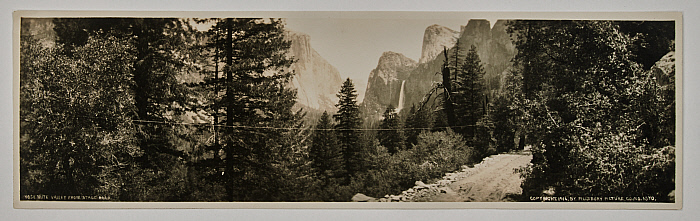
x,y
267,127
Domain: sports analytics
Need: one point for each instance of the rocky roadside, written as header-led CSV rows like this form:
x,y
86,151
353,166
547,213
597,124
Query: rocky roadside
x,y
423,191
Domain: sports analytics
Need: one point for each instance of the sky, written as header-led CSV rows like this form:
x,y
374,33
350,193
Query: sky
x,y
354,45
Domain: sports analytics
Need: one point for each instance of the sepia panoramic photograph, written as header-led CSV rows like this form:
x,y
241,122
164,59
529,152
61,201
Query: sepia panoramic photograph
x,y
369,110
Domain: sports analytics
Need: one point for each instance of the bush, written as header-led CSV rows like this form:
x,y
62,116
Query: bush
x,y
435,154
600,164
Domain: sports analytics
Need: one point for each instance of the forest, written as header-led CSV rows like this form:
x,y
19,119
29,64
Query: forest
x,y
154,109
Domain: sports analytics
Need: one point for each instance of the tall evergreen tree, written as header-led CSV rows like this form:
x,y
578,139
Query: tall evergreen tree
x,y
325,153
448,92
255,101
348,124
469,96
507,115
417,122
391,134
456,60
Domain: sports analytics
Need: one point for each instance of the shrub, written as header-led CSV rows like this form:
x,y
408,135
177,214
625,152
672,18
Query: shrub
x,y
435,154
600,164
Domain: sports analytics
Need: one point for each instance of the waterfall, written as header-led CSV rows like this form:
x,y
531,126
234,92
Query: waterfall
x,y
401,97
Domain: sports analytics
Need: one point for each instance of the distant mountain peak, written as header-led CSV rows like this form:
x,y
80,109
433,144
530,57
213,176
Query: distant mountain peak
x,y
477,28
383,85
317,80
435,38
385,82
393,60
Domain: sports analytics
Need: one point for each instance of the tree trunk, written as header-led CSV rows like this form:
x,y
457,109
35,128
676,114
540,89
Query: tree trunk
x,y
229,111
447,84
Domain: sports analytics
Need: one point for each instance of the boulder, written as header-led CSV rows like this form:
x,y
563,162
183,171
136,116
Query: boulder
x,y
363,198
443,182
421,184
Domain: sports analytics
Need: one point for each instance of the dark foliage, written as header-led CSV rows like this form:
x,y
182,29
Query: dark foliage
x,y
587,102
348,122
77,138
418,121
325,152
391,134
469,97
249,94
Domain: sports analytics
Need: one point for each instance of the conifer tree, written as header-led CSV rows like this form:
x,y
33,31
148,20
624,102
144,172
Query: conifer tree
x,y
325,153
456,60
391,134
507,116
348,124
469,96
418,121
255,100
448,99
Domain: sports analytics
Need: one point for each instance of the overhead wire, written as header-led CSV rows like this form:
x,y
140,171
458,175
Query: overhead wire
x,y
270,127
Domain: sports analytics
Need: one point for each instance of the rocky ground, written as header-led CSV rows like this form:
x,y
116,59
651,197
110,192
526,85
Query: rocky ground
x,y
492,180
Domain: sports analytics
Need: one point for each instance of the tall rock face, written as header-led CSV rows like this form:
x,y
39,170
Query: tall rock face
x,y
384,84
494,47
315,79
496,56
436,37
664,70
477,33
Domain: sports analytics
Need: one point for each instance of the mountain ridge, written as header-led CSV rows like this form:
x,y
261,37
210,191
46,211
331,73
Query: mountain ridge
x,y
383,85
494,48
435,38
315,79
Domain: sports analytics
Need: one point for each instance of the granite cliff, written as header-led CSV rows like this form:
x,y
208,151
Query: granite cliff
x,y
493,45
316,80
384,83
435,38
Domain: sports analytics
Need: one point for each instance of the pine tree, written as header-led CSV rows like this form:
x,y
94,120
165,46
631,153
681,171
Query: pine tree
x,y
348,124
255,100
418,121
456,60
325,153
391,134
469,96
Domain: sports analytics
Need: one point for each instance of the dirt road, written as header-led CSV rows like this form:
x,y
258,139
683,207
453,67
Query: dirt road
x,y
492,181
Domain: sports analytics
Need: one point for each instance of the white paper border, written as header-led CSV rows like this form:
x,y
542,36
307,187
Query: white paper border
x,y
676,16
